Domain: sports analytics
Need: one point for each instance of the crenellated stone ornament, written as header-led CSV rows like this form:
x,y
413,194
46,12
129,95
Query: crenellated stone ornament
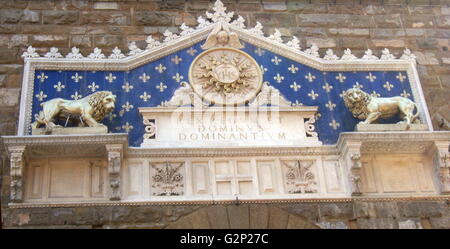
x,y
74,54
30,53
54,53
97,54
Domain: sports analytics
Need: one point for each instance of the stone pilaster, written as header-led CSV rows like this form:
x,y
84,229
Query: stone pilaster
x,y
351,157
16,159
442,159
115,156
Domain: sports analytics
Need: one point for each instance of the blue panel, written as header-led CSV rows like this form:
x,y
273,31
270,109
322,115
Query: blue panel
x,y
155,82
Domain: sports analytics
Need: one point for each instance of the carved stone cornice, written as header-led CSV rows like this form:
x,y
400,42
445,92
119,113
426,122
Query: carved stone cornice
x,y
230,151
65,145
121,138
393,142
231,201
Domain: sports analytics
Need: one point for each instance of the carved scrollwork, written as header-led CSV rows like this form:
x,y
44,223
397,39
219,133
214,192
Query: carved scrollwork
x,y
114,168
16,167
150,128
310,127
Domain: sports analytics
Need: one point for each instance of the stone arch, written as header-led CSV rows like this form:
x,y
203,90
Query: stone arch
x,y
258,216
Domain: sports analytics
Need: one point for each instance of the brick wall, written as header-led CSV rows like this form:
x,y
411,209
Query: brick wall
x,y
421,25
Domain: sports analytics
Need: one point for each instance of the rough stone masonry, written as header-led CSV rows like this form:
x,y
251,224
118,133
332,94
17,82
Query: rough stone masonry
x,y
420,25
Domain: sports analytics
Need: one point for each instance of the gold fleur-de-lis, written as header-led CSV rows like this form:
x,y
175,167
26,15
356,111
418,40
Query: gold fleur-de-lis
x,y
177,77
334,124
59,86
110,78
176,59
259,51
341,78
276,60
375,94
371,77
330,105
295,86
263,69
42,77
293,68
357,85
76,96
76,77
127,127
313,95
144,77
161,87
145,96
405,94
93,87
160,68
41,96
127,87
297,103
400,77
342,94
388,86
327,87
278,78
111,116
191,51
127,106
310,77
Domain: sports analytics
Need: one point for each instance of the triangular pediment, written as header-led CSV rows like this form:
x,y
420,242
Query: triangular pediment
x,y
152,76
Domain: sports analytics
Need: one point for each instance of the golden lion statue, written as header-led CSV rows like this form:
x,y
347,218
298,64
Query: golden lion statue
x,y
369,108
91,109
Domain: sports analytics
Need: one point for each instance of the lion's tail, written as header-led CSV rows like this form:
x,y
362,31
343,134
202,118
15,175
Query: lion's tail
x,y
415,116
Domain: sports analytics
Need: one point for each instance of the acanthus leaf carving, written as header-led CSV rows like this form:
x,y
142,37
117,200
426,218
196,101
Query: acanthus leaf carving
x,y
257,30
313,50
134,49
386,55
75,53
368,55
53,53
300,178
152,43
30,53
167,179
294,43
219,14
96,54
330,56
348,56
116,54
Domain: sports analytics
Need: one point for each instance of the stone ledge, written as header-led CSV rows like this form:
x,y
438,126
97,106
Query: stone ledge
x,y
71,130
391,127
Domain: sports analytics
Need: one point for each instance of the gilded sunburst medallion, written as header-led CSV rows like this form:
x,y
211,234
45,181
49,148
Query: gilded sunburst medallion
x,y
225,76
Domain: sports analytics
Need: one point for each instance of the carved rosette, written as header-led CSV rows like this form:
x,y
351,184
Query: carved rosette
x,y
167,180
16,164
225,76
114,166
299,178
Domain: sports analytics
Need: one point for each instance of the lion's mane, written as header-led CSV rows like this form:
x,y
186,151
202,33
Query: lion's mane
x,y
96,101
358,106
